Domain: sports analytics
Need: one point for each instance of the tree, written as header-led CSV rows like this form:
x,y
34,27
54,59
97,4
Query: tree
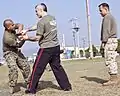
x,y
102,51
95,51
81,53
87,53
72,54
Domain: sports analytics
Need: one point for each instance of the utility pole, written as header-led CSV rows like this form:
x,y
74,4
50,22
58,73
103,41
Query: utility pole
x,y
63,41
75,30
78,36
83,41
74,41
89,29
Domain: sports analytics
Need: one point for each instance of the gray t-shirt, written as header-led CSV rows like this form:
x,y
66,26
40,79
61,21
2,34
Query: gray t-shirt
x,y
109,28
47,28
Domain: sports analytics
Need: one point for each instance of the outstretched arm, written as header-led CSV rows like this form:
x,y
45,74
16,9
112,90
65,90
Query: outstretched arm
x,y
33,28
39,35
31,38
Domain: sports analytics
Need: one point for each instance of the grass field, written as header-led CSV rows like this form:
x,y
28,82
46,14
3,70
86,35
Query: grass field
x,y
86,77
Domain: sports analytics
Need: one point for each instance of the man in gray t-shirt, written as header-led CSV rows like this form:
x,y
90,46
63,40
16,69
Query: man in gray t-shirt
x,y
109,43
49,51
47,28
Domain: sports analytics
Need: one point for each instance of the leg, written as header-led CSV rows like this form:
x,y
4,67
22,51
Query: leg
x,y
110,60
110,55
58,70
10,58
38,69
24,66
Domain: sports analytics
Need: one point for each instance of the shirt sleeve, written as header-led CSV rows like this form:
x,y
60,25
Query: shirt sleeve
x,y
40,28
106,29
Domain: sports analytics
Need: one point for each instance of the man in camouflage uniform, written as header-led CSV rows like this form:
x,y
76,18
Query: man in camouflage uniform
x,y
109,43
13,54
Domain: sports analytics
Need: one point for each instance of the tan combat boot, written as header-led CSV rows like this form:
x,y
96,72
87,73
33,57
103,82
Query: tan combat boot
x,y
12,90
114,80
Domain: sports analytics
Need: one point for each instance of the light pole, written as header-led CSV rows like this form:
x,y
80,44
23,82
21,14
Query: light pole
x,y
89,28
63,41
75,30
83,42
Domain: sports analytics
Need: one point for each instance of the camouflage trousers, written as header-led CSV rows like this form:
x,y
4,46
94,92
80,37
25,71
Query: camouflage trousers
x,y
14,61
110,55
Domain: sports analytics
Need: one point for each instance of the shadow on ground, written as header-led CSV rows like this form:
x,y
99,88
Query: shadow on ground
x,y
47,84
24,85
95,79
41,85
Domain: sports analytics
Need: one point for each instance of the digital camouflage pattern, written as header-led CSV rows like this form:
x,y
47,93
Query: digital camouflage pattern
x,y
110,55
14,61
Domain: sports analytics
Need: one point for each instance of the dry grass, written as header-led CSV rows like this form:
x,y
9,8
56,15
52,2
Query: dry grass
x,y
86,77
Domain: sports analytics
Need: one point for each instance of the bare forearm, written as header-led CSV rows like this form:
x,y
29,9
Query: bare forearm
x,y
34,39
33,28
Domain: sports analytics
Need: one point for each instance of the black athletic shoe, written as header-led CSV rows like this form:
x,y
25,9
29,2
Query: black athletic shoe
x,y
68,89
27,91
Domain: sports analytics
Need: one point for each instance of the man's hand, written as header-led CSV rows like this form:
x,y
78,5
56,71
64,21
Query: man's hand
x,y
23,32
23,37
102,45
102,48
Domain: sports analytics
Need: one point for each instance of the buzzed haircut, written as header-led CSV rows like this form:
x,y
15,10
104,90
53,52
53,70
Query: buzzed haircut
x,y
5,22
43,5
104,5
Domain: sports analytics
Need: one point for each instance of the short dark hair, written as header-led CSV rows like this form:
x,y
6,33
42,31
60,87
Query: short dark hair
x,y
104,5
4,22
44,6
